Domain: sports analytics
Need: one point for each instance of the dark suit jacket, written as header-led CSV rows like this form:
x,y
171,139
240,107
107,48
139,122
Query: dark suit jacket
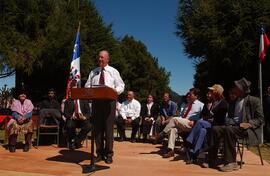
x,y
154,111
70,108
253,114
218,113
50,104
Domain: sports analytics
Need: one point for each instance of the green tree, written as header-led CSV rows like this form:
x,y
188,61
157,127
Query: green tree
x,y
143,74
222,36
37,39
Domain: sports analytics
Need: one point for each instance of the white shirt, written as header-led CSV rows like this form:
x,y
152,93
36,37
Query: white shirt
x,y
130,109
112,79
238,111
149,106
117,109
194,113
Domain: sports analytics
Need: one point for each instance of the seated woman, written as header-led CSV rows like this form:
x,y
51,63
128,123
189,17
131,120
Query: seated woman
x,y
21,122
149,114
213,113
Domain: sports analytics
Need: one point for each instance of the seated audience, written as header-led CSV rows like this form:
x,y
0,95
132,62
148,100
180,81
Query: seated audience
x,y
77,114
244,120
49,107
213,113
21,122
129,114
149,114
167,112
184,123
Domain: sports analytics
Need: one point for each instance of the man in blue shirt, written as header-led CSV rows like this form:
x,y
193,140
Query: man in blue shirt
x,y
167,111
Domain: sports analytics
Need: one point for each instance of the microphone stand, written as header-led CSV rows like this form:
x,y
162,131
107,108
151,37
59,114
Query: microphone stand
x,y
92,166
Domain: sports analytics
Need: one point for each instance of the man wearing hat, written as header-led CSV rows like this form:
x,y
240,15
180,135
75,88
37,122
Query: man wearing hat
x,y
244,120
213,113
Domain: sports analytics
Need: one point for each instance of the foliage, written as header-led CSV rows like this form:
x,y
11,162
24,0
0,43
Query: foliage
x,y
222,37
5,97
37,39
143,74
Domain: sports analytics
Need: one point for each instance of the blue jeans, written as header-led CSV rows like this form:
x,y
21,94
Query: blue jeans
x,y
197,135
26,116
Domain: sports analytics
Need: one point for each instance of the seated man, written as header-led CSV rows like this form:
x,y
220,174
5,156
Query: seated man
x,y
129,114
184,123
21,122
49,107
245,118
77,114
167,111
213,113
149,114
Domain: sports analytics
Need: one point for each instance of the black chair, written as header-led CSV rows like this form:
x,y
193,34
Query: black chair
x,y
240,149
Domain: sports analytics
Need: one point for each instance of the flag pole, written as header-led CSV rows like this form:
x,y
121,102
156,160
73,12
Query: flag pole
x,y
78,31
260,82
261,95
79,27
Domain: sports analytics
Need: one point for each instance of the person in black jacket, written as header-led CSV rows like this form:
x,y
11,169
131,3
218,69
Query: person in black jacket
x,y
77,114
149,114
213,113
49,107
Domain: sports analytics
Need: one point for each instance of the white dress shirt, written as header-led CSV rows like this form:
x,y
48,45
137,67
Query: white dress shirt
x,y
112,79
130,109
149,106
238,111
194,113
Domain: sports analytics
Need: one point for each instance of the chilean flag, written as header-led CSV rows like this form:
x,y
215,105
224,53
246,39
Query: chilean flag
x,y
264,43
75,74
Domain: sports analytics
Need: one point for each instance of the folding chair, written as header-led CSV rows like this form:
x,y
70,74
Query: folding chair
x,y
240,149
50,123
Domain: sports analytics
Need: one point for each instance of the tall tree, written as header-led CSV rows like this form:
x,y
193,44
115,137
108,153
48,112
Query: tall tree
x,y
143,74
222,36
37,39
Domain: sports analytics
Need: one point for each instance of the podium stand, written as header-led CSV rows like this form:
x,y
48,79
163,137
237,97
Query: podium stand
x,y
94,93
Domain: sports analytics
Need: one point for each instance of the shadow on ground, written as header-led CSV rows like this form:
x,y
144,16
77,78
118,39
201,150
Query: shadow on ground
x,y
76,157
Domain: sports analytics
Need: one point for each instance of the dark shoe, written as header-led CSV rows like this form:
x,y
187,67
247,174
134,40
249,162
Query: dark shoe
x,y
72,146
191,157
190,161
158,137
121,139
205,165
229,167
169,154
212,164
26,148
12,148
133,140
99,158
109,160
78,145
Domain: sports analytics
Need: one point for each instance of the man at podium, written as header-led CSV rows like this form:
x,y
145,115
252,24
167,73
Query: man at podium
x,y
103,111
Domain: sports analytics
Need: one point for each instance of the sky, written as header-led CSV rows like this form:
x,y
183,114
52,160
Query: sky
x,y
153,23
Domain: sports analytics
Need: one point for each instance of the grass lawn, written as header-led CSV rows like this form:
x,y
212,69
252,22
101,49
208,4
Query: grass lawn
x,y
265,151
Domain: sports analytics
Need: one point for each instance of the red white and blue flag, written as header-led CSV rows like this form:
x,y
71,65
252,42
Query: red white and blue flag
x,y
264,43
75,74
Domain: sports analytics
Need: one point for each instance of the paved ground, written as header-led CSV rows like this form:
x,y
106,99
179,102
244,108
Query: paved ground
x,y
131,159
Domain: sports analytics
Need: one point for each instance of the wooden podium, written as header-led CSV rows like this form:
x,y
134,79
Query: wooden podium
x,y
93,93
